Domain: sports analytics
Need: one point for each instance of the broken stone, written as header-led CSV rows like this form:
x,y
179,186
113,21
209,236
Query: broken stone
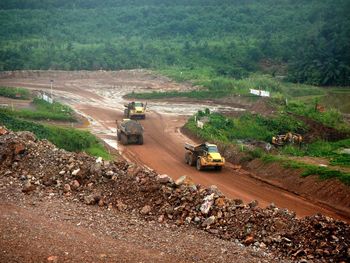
x,y
161,219
208,202
75,184
89,200
3,130
253,204
213,189
66,188
164,179
209,221
28,187
181,180
121,206
19,148
146,210
75,172
52,259
101,203
220,202
249,240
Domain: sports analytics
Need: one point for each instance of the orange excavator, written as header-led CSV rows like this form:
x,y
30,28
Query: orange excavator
x,y
288,138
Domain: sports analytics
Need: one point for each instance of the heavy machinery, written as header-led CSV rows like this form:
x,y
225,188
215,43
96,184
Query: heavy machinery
x,y
135,110
204,156
129,131
288,138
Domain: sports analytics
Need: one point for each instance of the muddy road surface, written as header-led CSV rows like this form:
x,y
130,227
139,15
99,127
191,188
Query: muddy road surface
x,y
98,97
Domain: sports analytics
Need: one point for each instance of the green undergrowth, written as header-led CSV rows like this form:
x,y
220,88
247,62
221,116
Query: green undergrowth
x,y
66,138
330,117
14,93
44,111
308,169
247,126
324,149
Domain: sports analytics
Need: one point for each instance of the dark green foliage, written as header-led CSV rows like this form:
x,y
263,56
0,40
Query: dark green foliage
x,y
14,93
231,38
323,57
66,138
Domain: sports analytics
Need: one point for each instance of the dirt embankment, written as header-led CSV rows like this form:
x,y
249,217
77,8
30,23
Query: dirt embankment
x,y
330,192
40,170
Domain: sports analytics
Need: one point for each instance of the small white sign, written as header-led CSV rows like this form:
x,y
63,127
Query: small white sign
x,y
47,98
200,124
261,93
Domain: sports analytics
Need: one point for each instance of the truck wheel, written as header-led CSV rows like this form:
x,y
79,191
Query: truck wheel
x,y
118,136
199,166
124,139
192,160
218,168
140,140
187,158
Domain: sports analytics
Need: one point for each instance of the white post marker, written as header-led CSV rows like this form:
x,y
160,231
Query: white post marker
x,y
51,82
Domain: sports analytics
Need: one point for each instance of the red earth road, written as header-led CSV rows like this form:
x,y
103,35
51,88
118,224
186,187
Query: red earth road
x,y
163,151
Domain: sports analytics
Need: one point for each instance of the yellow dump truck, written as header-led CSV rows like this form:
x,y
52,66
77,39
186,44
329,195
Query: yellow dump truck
x,y
135,110
204,155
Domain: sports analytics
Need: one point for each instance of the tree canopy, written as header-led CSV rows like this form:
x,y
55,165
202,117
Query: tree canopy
x,y
309,38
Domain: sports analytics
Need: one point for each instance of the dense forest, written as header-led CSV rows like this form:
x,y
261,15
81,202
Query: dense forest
x,y
307,41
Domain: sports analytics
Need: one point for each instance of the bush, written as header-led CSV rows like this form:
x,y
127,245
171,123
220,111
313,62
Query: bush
x,y
14,93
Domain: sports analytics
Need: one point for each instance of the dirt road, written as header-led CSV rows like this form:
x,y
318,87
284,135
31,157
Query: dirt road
x,y
98,97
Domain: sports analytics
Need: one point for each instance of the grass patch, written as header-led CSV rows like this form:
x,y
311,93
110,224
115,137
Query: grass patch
x,y
66,138
330,150
44,111
308,169
14,93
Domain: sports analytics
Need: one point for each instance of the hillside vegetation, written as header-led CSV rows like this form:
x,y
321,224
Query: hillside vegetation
x,y
309,41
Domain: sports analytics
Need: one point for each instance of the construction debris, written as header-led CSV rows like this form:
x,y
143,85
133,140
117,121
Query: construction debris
x,y
40,168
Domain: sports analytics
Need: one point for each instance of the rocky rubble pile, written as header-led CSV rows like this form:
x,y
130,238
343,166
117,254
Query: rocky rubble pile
x,y
41,169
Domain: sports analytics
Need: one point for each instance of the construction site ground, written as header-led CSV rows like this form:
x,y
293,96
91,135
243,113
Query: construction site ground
x,y
97,96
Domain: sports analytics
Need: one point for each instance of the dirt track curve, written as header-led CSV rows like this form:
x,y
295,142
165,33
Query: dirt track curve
x,y
99,99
